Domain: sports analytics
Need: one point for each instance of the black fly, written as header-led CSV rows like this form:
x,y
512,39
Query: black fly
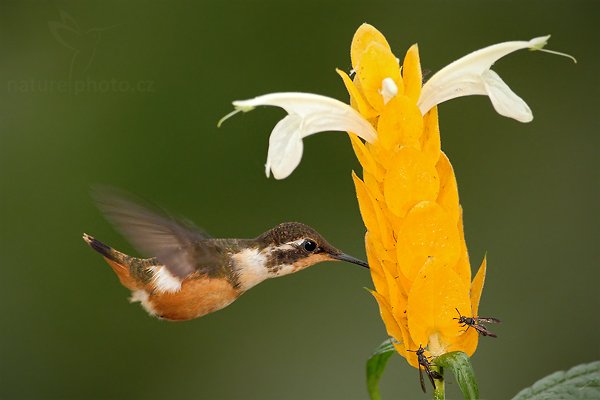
x,y
424,362
476,323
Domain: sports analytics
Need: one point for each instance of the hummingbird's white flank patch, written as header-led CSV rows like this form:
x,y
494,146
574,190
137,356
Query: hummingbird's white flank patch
x,y
142,297
164,281
251,267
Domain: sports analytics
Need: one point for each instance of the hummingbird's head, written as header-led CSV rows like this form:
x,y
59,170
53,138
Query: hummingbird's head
x,y
293,246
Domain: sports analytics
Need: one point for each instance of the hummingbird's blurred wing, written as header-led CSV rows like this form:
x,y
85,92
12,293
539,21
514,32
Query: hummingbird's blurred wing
x,y
155,233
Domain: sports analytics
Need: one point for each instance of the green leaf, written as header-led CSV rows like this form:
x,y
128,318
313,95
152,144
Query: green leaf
x,y
580,382
375,366
460,365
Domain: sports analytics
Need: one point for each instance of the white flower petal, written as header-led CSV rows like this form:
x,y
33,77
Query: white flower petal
x,y
285,147
505,101
340,116
466,76
468,84
308,114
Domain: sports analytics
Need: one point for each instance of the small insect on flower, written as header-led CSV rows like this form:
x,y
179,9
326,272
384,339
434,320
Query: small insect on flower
x,y
476,323
424,362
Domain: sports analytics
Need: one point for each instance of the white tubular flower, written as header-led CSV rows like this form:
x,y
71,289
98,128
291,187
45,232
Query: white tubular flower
x,y
307,114
471,75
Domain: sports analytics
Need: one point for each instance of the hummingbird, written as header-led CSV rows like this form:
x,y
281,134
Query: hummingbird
x,y
189,274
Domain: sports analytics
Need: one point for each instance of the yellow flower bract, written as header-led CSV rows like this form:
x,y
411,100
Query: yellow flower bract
x,y
408,200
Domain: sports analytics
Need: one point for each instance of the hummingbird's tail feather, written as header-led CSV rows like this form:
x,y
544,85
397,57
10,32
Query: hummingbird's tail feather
x,y
106,251
119,262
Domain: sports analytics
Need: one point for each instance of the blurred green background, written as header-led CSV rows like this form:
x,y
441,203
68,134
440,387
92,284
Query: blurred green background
x,y
130,97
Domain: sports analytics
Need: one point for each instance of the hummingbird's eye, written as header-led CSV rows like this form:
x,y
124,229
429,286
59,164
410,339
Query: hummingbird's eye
x,y
309,245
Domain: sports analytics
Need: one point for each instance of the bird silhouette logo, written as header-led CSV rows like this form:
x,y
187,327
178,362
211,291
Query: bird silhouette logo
x,y
82,43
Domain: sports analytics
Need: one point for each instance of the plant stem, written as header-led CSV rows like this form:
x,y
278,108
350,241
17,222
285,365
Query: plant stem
x,y
439,392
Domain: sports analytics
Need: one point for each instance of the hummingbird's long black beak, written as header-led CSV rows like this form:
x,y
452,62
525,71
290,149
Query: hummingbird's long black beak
x,y
350,259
